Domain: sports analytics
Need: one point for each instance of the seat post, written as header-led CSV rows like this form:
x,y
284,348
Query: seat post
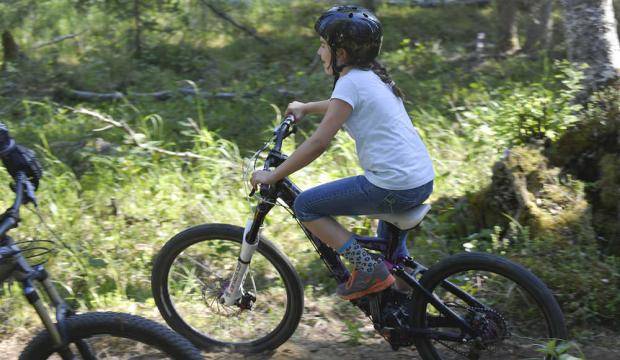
x,y
392,240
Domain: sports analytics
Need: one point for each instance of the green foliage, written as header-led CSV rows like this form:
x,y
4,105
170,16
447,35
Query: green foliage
x,y
114,205
561,350
353,331
515,114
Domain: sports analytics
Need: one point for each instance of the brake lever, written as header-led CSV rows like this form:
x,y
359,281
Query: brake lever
x,y
262,187
290,119
29,191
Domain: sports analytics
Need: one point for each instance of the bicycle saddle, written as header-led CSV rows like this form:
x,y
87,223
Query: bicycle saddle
x,y
406,220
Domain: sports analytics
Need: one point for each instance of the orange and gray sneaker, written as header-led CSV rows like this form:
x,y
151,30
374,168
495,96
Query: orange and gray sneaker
x,y
362,283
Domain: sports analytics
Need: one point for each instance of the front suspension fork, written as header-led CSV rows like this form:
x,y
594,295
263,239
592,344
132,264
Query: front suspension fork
x,y
234,291
58,331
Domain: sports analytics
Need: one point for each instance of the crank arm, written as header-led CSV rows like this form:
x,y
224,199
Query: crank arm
x,y
441,321
434,334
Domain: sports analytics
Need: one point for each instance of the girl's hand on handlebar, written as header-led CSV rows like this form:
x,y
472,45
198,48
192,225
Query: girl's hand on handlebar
x,y
262,177
297,109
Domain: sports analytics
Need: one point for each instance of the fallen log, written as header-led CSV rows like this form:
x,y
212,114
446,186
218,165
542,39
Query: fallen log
x,y
157,95
88,95
166,94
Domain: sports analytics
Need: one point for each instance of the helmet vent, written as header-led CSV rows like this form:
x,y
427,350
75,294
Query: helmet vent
x,y
365,15
350,15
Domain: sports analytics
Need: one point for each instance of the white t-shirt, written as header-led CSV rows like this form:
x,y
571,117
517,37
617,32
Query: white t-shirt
x,y
388,147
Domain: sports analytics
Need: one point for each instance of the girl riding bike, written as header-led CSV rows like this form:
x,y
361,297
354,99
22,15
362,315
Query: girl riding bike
x,y
398,172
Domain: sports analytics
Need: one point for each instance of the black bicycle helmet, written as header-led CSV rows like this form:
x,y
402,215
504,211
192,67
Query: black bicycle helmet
x,y
354,29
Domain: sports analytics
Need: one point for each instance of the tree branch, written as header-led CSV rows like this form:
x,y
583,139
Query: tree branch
x,y
226,17
134,136
57,39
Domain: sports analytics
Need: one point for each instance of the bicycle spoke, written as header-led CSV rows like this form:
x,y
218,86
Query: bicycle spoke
x,y
211,266
509,322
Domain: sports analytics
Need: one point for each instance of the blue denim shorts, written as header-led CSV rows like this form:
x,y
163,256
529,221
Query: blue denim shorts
x,y
356,196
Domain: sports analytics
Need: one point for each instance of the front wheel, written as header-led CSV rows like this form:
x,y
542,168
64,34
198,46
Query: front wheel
x,y
514,313
192,270
110,335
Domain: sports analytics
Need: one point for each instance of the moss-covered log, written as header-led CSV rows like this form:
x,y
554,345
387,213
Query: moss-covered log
x,y
539,216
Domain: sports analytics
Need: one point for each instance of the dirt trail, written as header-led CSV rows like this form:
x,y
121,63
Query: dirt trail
x,y
294,349
321,335
329,351
314,347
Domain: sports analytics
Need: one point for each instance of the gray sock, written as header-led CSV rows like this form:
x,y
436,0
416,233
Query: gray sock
x,y
357,256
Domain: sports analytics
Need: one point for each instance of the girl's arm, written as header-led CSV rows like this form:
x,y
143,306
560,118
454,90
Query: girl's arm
x,y
299,109
337,113
317,107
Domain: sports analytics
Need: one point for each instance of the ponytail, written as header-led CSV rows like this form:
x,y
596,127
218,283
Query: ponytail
x,y
382,73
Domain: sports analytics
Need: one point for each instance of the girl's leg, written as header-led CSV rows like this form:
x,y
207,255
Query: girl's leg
x,y
314,209
354,196
350,196
329,231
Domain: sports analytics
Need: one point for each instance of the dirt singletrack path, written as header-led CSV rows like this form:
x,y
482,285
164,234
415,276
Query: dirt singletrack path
x,y
316,348
322,334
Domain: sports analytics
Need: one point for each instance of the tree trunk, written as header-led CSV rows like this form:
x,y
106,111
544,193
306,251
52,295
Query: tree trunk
x,y
508,41
137,42
10,50
592,38
540,23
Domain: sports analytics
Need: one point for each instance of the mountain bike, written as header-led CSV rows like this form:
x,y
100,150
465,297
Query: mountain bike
x,y
86,336
227,287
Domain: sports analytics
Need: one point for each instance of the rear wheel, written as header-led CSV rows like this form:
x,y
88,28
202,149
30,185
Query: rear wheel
x,y
515,318
113,336
191,272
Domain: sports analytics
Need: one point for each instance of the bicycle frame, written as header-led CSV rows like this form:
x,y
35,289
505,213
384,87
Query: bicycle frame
x,y
286,191
14,264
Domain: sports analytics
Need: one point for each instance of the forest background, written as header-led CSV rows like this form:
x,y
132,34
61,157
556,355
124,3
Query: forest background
x,y
144,114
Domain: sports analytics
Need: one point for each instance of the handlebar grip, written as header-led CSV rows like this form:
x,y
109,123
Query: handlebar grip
x,y
23,178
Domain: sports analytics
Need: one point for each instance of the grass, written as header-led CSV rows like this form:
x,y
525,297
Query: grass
x,y
115,205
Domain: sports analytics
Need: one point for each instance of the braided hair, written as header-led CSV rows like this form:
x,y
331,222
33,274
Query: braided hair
x,y
382,73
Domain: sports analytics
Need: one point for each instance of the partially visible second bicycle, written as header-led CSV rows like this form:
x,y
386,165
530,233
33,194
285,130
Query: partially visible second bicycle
x,y
96,335
224,286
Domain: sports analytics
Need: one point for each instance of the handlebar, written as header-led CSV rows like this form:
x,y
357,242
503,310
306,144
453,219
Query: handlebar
x,y
281,132
23,188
